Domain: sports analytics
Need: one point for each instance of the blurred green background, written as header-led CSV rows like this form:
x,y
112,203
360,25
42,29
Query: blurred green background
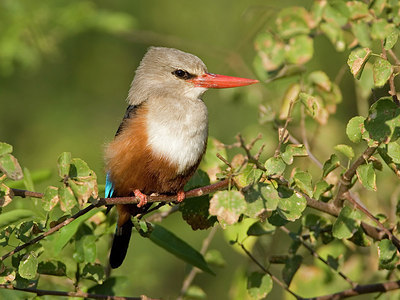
x,y
65,71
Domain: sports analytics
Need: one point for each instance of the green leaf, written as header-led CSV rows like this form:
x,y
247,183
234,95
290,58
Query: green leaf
x,y
195,211
28,266
249,175
64,164
10,166
79,168
52,267
173,244
260,198
227,206
393,150
299,50
258,229
361,32
65,234
381,29
94,272
355,129
291,204
346,150
67,198
346,223
321,187
383,121
358,11
366,175
23,232
275,166
5,195
391,39
50,198
270,51
303,181
315,107
335,34
291,266
360,238
259,285
377,6
195,292
331,164
14,216
388,257
293,21
357,60
321,80
215,258
382,69
5,149
293,150
336,13
85,249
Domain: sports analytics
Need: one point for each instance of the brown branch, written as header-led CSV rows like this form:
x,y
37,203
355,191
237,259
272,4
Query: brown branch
x,y
345,181
316,255
24,194
392,91
50,231
362,290
265,270
71,294
250,157
120,200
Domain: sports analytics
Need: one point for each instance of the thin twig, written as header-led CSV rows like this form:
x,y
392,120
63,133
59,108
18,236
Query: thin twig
x,y
119,200
71,294
316,255
392,91
265,270
293,140
284,129
194,271
362,290
250,157
345,181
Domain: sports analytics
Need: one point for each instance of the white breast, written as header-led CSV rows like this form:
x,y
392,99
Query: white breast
x,y
178,133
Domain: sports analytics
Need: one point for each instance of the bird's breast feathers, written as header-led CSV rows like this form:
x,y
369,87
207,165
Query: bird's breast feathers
x,y
179,136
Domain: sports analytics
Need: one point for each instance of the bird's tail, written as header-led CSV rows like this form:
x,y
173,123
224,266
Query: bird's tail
x,y
120,244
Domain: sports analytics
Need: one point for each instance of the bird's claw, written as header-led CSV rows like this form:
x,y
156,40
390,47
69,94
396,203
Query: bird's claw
x,y
180,196
142,198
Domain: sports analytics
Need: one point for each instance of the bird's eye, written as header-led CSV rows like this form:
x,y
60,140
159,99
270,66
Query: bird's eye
x,y
182,74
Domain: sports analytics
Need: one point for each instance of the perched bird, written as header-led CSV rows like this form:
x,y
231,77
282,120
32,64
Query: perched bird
x,y
163,134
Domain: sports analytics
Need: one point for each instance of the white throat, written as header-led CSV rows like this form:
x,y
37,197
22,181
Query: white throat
x,y
177,129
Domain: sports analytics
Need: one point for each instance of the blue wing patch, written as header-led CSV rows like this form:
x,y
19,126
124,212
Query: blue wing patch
x,y
109,190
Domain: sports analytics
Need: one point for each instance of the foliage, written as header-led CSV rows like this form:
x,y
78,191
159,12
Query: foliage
x,y
331,246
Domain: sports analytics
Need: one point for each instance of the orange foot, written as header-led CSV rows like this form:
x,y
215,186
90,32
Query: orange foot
x,y
142,197
180,196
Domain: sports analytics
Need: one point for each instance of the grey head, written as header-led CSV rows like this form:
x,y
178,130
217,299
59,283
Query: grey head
x,y
166,72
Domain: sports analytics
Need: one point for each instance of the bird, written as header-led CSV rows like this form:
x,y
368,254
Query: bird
x,y
162,137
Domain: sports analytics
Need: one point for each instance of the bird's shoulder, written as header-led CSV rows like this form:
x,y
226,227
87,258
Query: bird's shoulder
x,y
130,112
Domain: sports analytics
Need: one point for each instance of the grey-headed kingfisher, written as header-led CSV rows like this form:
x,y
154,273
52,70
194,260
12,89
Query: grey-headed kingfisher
x,y
163,134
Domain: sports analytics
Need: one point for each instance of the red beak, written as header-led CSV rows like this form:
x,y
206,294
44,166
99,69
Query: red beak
x,y
215,81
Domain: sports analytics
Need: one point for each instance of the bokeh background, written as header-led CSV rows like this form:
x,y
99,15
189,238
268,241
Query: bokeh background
x,y
65,71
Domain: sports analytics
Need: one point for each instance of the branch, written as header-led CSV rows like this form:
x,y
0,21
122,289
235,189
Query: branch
x,y
361,290
71,294
265,270
316,255
345,181
108,201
